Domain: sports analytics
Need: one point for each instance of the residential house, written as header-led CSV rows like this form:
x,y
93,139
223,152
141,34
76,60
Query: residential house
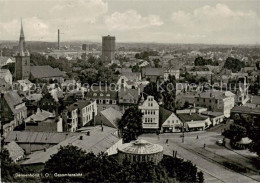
x,y
70,118
150,110
169,121
87,110
194,121
152,74
171,72
12,110
104,96
43,121
128,96
216,101
215,117
129,80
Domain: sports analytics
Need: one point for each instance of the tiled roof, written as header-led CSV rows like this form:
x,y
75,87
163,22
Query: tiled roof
x,y
132,92
189,117
98,141
37,137
111,115
45,71
14,150
12,98
164,114
40,115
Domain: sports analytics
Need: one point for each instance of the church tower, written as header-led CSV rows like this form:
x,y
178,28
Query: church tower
x,y
22,59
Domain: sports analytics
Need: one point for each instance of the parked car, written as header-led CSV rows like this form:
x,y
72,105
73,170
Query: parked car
x,y
220,142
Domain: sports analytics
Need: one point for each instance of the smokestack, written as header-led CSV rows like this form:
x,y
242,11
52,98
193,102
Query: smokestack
x,y
58,39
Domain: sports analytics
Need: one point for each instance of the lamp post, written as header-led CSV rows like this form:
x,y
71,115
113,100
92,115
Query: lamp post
x,y
182,132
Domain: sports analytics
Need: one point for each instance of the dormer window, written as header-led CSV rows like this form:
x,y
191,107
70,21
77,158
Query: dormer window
x,y
108,95
94,94
101,94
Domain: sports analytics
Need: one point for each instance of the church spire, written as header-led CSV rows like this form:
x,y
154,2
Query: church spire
x,y
21,33
21,50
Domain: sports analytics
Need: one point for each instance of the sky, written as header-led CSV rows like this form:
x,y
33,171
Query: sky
x,y
161,21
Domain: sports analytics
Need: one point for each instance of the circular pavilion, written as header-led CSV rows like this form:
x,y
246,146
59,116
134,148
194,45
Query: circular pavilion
x,y
140,150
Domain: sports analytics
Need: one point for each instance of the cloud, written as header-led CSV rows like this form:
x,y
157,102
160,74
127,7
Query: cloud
x,y
215,18
131,19
218,23
79,10
34,28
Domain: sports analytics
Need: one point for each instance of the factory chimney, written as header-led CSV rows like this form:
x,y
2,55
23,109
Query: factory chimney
x,y
58,39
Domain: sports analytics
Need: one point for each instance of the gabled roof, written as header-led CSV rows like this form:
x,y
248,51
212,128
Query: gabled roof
x,y
126,92
41,115
45,71
14,150
12,98
37,137
164,114
98,141
111,115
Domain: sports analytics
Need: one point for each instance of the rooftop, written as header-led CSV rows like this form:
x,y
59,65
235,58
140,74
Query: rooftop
x,y
14,150
45,71
190,117
140,146
37,137
98,141
112,115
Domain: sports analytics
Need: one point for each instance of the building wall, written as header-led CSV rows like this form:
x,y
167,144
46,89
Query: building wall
x,y
108,48
87,113
172,124
150,110
22,67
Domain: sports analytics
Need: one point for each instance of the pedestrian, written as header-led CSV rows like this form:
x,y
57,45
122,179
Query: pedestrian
x,y
197,137
166,141
204,146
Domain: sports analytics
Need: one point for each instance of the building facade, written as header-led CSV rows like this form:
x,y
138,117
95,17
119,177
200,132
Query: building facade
x,y
150,110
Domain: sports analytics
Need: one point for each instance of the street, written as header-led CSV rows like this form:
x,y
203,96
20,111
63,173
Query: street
x,y
213,160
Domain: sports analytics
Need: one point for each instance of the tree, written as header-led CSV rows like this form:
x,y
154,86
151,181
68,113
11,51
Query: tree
x,y
234,64
183,171
9,169
10,67
200,177
100,168
130,125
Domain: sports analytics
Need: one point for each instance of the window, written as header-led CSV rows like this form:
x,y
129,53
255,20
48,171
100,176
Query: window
x,y
145,119
204,100
198,99
108,95
94,94
101,94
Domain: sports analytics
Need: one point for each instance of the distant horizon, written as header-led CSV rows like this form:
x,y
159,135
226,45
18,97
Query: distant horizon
x,y
217,22
133,42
